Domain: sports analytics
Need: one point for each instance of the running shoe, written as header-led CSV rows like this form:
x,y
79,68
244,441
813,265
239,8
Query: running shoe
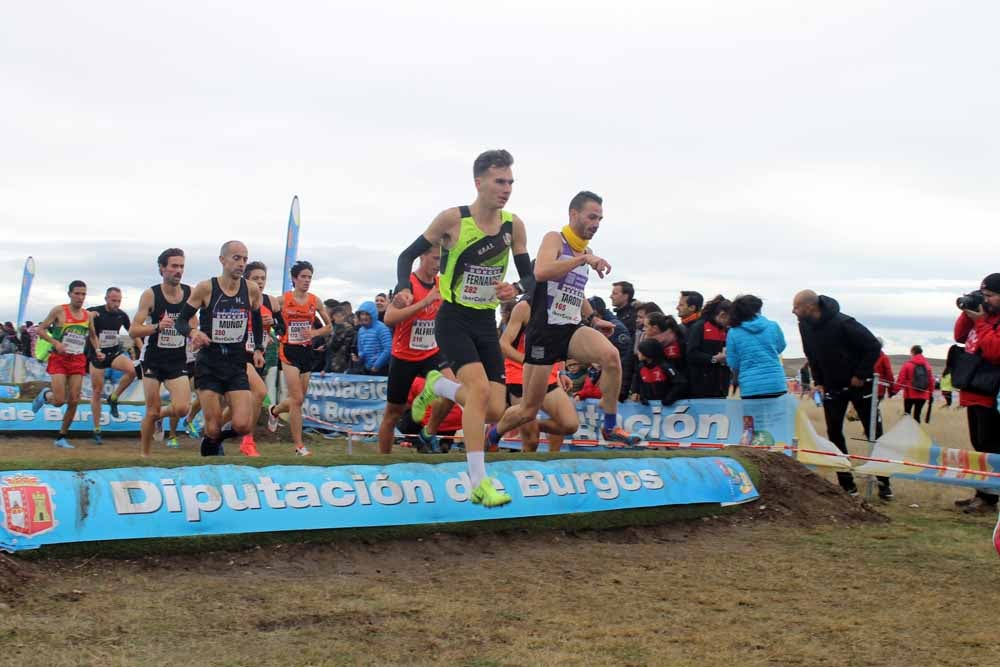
x,y
272,420
427,444
98,440
425,397
173,444
302,451
192,430
113,405
39,401
63,443
248,447
158,430
486,495
618,434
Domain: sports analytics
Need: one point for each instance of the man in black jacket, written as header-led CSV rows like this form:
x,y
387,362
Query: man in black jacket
x,y
622,341
623,300
842,355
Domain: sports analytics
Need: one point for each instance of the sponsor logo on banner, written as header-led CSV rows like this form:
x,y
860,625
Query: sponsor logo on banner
x,y
28,509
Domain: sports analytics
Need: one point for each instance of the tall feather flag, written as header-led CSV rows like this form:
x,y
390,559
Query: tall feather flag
x,y
291,245
26,280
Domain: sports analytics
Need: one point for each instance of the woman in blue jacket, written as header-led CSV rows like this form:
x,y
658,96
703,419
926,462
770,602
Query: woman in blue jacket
x,y
753,346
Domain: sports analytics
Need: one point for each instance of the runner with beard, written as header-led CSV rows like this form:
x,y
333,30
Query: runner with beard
x,y
164,360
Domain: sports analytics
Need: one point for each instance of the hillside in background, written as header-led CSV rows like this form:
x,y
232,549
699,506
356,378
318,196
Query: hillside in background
x,y
793,365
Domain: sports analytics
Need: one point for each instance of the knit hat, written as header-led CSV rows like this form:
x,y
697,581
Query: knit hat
x,y
652,349
991,282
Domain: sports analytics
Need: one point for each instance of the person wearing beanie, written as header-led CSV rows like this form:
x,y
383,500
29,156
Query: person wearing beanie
x,y
659,377
977,329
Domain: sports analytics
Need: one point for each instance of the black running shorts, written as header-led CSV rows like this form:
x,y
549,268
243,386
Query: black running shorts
x,y
163,372
548,344
109,357
301,357
402,373
220,374
469,335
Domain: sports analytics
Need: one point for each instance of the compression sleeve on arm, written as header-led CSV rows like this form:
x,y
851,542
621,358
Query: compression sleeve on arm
x,y
525,273
257,325
404,266
183,322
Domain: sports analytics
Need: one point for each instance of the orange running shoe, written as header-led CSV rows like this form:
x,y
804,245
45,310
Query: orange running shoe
x,y
621,436
248,447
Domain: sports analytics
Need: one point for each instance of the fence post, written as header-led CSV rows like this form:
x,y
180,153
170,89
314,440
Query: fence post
x,y
872,423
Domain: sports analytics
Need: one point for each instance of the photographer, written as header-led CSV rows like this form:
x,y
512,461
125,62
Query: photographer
x,y
976,373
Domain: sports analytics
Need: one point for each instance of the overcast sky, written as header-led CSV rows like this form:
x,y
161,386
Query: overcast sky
x,y
850,147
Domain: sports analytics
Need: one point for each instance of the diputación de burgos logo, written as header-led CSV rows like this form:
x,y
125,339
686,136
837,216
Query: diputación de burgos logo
x,y
28,509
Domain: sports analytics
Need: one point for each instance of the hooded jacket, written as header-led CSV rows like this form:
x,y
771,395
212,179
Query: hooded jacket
x,y
752,350
905,379
838,347
374,340
979,336
707,379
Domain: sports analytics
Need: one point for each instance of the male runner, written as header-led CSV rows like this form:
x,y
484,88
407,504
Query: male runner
x,y
299,309
109,320
557,403
73,326
163,356
227,306
256,272
555,331
415,353
477,241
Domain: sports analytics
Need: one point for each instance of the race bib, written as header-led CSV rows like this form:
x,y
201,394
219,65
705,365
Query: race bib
x,y
422,335
108,339
74,342
229,326
566,304
479,284
298,332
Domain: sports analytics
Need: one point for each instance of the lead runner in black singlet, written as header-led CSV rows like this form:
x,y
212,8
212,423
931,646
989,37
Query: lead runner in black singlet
x,y
163,355
229,308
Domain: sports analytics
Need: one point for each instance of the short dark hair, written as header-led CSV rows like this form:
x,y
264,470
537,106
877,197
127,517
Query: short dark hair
x,y
581,198
745,308
300,266
167,254
76,283
648,307
255,265
382,294
495,158
624,285
339,309
693,299
916,349
111,289
331,303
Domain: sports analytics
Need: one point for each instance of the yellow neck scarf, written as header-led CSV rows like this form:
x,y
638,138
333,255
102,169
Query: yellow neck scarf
x,y
574,241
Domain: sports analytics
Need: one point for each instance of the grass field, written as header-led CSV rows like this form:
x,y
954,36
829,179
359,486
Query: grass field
x,y
803,577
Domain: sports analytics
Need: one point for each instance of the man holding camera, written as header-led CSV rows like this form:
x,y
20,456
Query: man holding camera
x,y
842,355
977,375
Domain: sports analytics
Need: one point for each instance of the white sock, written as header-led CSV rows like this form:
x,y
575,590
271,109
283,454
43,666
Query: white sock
x,y
477,467
446,388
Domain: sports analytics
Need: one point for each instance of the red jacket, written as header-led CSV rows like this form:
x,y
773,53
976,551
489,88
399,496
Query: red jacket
x,y
905,379
979,335
884,369
590,389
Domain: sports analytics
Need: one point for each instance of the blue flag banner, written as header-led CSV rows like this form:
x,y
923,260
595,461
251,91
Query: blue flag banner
x,y
26,280
291,245
49,507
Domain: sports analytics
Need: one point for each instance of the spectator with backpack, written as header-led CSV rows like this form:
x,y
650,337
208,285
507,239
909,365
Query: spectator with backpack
x,y
916,379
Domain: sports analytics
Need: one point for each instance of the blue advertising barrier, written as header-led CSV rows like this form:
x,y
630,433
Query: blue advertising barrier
x,y
18,416
336,401
43,507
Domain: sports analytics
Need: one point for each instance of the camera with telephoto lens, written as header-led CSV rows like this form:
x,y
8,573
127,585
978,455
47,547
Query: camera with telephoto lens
x,y
971,301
